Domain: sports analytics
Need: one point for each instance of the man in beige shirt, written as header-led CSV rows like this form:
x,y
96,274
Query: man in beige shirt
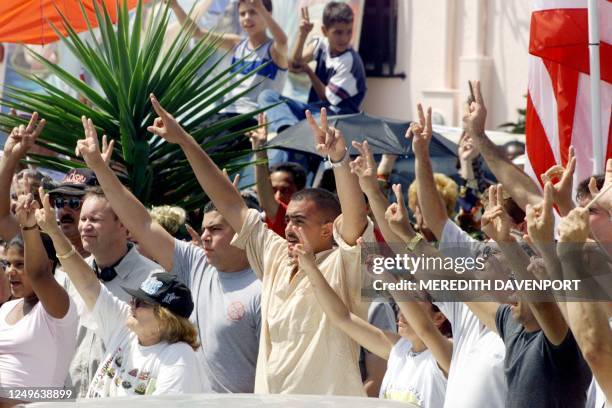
x,y
300,351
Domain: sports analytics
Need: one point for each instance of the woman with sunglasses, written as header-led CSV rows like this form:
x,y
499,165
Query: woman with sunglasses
x,y
150,344
37,328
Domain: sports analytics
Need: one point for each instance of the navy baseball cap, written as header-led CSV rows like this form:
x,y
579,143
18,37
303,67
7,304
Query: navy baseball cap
x,y
166,290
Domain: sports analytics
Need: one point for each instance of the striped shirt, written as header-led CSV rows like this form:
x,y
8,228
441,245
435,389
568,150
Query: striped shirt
x,y
343,76
269,77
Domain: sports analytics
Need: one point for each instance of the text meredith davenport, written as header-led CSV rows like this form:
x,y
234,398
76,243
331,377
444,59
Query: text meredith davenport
x,y
475,285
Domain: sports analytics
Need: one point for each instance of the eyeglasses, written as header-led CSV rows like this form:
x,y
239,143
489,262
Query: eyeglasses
x,y
73,203
140,303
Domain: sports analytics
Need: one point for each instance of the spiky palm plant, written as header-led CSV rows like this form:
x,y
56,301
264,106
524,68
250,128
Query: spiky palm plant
x,y
128,62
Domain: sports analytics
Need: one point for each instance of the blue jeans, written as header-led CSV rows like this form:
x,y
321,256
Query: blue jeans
x,y
288,113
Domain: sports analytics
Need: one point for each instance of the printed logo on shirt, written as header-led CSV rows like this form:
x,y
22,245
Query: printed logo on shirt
x,y
408,394
235,311
111,379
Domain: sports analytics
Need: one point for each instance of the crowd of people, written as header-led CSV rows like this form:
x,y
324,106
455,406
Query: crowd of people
x,y
103,296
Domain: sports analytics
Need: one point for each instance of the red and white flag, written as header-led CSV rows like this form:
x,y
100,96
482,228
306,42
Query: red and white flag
x,y
559,97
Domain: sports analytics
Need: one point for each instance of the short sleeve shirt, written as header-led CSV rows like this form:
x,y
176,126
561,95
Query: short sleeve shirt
x,y
343,76
298,341
129,368
227,315
539,373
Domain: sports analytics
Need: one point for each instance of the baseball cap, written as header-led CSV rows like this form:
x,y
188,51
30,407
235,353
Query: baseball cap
x,y
76,182
166,290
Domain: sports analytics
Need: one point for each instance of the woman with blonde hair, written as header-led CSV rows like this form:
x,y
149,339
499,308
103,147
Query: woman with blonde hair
x,y
150,343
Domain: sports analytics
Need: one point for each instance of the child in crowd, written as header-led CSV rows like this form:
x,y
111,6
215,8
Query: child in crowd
x,y
417,366
338,81
254,52
38,328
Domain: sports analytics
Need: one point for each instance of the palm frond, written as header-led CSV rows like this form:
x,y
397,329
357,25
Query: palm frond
x,y
128,61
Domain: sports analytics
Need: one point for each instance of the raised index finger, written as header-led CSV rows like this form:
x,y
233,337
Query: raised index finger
x,y
39,128
500,194
399,195
324,125
32,122
44,197
548,200
492,196
158,108
313,123
478,93
421,115
92,133
368,154
428,121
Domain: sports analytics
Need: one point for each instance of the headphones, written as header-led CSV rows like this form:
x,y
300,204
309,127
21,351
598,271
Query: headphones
x,y
109,273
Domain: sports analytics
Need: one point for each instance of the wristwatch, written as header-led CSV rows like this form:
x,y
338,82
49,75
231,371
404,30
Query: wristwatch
x,y
411,245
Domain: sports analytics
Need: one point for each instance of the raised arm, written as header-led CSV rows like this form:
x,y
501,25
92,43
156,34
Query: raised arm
x,y
211,178
21,139
369,336
364,167
496,224
265,192
49,292
587,320
330,142
299,56
279,49
562,189
227,41
396,216
81,275
430,201
518,184
150,235
486,312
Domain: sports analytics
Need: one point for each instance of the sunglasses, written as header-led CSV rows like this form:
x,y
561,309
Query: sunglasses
x,y
140,303
73,202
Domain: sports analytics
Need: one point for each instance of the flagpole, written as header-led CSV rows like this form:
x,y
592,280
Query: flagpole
x,y
595,88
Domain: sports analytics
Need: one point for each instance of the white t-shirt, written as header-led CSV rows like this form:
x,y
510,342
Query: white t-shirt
x,y
476,377
36,351
131,369
414,378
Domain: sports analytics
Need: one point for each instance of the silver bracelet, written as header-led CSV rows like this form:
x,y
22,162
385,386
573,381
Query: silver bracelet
x,y
340,162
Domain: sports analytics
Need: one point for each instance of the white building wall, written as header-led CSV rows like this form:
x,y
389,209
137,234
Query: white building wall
x,y
443,43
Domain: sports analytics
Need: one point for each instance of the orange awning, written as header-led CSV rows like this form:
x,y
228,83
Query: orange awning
x,y
27,21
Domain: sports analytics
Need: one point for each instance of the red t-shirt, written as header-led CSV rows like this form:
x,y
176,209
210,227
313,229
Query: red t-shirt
x,y
278,224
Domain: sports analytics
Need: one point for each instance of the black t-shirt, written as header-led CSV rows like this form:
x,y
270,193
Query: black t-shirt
x,y
538,373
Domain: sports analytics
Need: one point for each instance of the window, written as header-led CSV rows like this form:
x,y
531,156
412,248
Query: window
x,y
378,42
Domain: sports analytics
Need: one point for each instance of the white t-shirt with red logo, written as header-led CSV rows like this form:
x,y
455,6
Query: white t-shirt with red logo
x,y
129,368
227,315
